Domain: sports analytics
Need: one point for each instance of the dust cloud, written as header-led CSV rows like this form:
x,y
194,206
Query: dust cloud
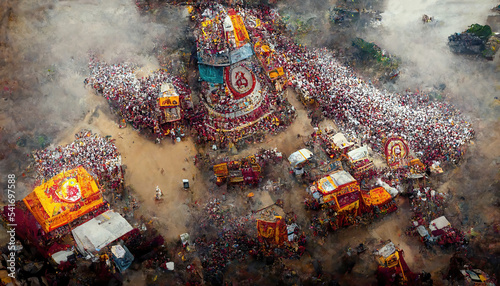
x,y
428,61
44,52
471,85
44,49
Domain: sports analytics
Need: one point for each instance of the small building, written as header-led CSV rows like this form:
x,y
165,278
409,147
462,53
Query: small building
x,y
92,236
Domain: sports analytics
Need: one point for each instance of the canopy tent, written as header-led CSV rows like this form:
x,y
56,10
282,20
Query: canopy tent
x,y
341,141
439,223
299,157
377,197
100,231
64,198
333,181
358,154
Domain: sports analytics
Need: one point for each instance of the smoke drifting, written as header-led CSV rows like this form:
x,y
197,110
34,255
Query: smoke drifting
x,y
44,52
427,60
44,47
471,84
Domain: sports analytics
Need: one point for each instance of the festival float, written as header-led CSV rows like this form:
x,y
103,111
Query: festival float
x,y
360,160
238,98
396,152
341,193
272,230
398,156
392,268
276,231
246,170
54,207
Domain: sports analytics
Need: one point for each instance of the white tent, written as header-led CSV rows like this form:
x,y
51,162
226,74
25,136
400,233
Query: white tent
x,y
340,141
387,250
358,153
100,231
299,157
439,223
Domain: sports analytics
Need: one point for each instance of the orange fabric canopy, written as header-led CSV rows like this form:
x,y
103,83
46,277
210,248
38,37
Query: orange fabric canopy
x,y
64,198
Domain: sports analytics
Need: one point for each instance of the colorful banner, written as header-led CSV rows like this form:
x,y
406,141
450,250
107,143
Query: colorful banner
x,y
240,32
64,198
396,151
274,232
168,101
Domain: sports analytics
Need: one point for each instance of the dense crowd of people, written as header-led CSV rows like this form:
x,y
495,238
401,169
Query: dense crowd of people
x,y
135,100
434,128
98,155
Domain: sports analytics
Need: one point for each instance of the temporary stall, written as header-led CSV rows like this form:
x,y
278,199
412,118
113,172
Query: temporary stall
x,y
92,236
360,160
298,158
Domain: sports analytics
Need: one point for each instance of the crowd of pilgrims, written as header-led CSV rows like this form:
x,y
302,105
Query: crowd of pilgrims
x,y
98,155
135,100
434,128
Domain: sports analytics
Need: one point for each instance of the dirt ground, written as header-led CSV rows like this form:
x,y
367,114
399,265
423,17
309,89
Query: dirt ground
x,y
473,184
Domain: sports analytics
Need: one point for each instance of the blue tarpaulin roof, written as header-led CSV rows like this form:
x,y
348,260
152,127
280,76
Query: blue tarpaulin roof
x,y
211,73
